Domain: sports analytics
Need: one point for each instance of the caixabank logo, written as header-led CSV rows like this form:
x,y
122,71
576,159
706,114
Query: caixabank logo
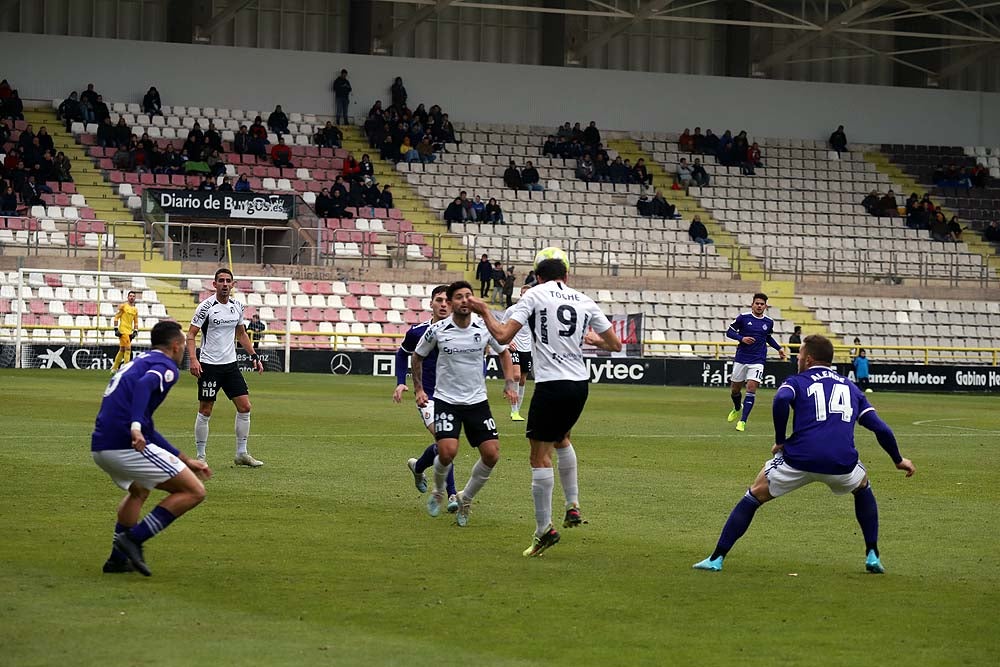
x,y
81,358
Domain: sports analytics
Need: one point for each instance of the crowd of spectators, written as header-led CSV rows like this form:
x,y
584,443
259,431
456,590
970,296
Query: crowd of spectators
x,y
463,209
953,176
31,163
355,187
921,213
402,134
729,150
11,106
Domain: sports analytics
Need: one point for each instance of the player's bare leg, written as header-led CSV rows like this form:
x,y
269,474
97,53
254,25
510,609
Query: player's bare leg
x,y
489,456
738,522
243,457
566,456
542,482
129,510
447,450
515,414
201,427
735,390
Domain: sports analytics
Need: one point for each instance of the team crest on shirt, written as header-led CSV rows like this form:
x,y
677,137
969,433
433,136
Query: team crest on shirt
x,y
169,375
765,327
477,338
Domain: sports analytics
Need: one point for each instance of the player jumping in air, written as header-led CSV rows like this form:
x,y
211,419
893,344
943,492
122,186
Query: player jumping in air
x,y
460,395
220,320
138,459
820,449
126,329
439,310
754,331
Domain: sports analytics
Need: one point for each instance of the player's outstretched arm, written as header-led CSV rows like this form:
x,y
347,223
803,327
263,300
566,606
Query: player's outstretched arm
x,y
886,440
502,333
777,346
192,337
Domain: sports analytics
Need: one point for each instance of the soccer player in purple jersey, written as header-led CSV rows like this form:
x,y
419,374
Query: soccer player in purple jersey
x,y
126,446
440,309
754,332
820,449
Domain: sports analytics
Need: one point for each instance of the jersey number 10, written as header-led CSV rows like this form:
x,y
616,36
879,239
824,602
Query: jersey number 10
x,y
840,401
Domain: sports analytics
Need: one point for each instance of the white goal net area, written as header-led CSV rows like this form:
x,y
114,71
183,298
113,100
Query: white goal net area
x,y
55,318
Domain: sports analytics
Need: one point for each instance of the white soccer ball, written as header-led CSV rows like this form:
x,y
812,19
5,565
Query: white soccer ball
x,y
551,253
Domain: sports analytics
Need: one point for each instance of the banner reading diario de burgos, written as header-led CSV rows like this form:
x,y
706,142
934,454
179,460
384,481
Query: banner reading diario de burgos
x,y
222,205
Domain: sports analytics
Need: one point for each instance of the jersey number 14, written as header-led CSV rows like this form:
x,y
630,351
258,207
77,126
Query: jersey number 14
x,y
840,401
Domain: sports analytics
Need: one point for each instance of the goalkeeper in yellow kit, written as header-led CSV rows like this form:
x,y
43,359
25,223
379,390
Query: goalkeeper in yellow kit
x,y
126,320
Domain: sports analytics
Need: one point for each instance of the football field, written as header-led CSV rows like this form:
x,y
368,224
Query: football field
x,y
326,554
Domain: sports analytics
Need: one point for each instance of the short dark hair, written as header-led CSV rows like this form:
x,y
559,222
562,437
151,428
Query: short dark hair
x,y
131,292
164,333
759,295
457,285
437,290
820,348
221,271
797,329
551,269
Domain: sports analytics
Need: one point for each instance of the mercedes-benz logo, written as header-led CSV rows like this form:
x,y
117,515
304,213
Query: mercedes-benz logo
x,y
340,364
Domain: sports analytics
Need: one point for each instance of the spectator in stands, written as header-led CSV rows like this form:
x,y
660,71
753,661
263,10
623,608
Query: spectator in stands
x,y
122,132
602,170
617,171
215,163
510,280
888,206
372,195
838,140
45,142
661,208
329,137
258,138
5,91
530,279
171,162
512,177
426,150
585,169
921,217
499,279
749,166
577,132
338,206
686,142
4,132
640,175
550,147
794,341
386,201
374,122
341,97
31,192
101,110
151,104
492,213
61,168
13,107
478,208
206,184
592,136
281,154
484,274
698,140
939,229
398,94
454,212
992,233
980,176
339,185
194,150
213,138
698,232
699,174
741,145
27,137
69,110
227,185
871,202
446,131
241,141
8,202
242,184
683,177
956,229
122,159
710,144
324,204
565,132
420,114
388,149
356,194
407,152
277,122
88,102
530,178
726,153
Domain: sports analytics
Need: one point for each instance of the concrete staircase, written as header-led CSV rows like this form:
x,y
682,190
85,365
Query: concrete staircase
x,y
101,195
781,293
970,237
453,253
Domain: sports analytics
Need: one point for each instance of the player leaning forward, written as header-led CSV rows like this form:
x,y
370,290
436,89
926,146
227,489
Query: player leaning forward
x,y
560,319
820,449
460,395
137,458
220,320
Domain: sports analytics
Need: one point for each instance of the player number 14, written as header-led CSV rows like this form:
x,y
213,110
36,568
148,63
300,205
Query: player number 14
x,y
840,401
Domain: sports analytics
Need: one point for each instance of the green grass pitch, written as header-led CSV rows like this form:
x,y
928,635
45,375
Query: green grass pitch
x,y
326,555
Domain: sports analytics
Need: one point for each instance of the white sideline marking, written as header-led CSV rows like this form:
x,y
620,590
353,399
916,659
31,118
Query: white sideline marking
x,y
653,436
956,428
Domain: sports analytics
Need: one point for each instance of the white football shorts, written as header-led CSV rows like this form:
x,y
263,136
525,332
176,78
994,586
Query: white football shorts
x,y
744,372
427,413
147,468
783,478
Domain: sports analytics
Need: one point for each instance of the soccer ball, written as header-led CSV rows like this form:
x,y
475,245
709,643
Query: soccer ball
x,y
551,253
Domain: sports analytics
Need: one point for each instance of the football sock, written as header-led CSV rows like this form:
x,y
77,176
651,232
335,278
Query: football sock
x,y
737,400
567,474
426,459
127,355
154,523
118,360
748,405
520,397
737,524
480,475
866,510
118,556
201,433
542,481
242,431
450,481
441,471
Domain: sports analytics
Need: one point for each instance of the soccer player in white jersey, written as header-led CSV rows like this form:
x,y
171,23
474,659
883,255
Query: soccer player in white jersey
x,y
220,320
460,395
520,354
560,319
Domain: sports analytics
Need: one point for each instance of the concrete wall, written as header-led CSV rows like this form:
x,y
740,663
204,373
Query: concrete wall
x,y
49,67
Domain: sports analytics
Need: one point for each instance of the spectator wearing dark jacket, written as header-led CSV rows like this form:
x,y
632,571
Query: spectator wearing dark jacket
x,y
8,202
640,175
151,104
13,107
277,122
341,97
69,111
698,232
550,147
88,101
31,192
242,184
213,138
372,195
227,184
592,136
698,173
398,93
101,110
888,206
386,201
586,171
499,278
661,208
45,142
992,233
281,154
324,204
838,140
492,212
617,172
530,178
338,206
122,133
484,274
512,177
454,212
870,203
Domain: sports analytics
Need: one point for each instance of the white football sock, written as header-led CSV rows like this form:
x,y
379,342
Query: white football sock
x,y
520,397
440,474
567,474
480,475
242,432
201,433
542,481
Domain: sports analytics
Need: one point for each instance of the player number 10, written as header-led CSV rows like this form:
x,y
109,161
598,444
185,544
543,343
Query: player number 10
x,y
840,401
